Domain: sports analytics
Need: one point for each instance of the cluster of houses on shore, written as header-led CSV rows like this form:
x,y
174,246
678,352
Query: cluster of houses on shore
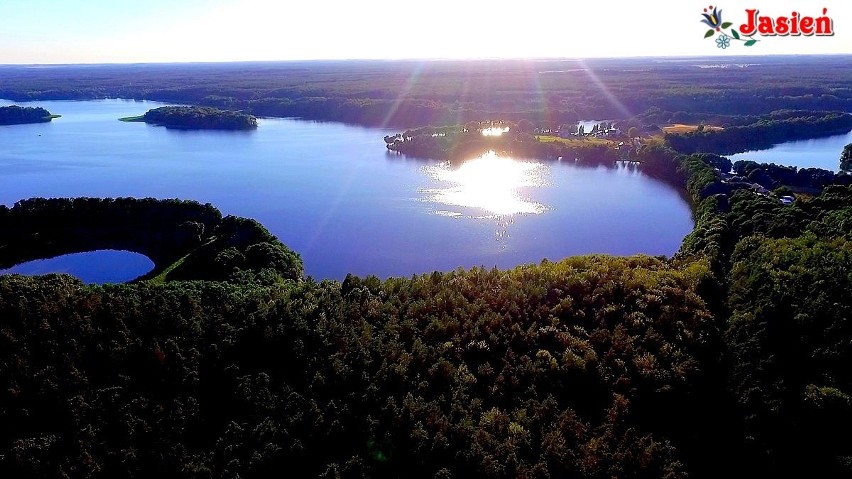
x,y
732,182
599,130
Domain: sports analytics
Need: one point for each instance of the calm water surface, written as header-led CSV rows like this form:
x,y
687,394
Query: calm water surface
x,y
335,195
819,153
96,267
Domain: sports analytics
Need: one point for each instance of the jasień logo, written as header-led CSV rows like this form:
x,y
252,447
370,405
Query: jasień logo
x,y
796,24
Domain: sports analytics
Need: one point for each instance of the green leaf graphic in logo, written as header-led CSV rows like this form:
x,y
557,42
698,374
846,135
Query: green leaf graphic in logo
x,y
725,35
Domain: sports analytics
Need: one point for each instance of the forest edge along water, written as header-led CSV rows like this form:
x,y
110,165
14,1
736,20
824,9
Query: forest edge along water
x,y
333,194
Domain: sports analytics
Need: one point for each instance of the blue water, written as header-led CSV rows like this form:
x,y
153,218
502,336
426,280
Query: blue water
x,y
335,195
819,153
96,267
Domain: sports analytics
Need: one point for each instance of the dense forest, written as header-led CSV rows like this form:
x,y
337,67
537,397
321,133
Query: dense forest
x,y
592,366
17,115
777,127
523,373
184,239
729,359
193,117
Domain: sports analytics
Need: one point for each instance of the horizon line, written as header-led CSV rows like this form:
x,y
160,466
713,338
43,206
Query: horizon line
x,y
430,59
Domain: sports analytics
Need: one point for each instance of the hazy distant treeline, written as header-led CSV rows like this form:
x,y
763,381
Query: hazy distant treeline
x,y
412,94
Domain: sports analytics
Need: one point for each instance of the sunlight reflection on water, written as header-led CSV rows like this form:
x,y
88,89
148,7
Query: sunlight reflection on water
x,y
490,184
495,131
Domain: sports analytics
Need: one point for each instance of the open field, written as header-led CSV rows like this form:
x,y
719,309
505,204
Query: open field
x,y
576,141
680,128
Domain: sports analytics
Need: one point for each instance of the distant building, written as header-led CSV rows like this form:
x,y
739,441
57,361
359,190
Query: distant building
x,y
759,189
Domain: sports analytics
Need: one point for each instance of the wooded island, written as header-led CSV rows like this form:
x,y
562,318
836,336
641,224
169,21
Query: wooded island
x,y
196,117
19,115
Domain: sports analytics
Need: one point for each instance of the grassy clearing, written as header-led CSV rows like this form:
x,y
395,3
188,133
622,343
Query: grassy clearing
x,y
576,141
680,128
161,278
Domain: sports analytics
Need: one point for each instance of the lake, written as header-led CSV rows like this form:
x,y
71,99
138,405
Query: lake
x,y
819,153
96,267
334,194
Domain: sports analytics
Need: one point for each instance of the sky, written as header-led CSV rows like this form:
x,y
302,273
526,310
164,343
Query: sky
x,y
132,31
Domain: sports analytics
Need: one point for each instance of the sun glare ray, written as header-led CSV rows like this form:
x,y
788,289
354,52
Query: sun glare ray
x,y
333,209
406,89
539,92
605,90
466,88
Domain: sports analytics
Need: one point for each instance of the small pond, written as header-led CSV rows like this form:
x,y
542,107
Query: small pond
x,y
93,267
334,194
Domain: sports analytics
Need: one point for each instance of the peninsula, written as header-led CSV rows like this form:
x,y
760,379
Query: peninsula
x,y
19,115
